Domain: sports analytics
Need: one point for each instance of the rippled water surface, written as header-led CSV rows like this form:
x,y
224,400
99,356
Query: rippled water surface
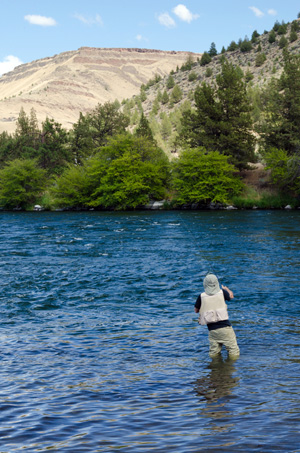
x,y
100,346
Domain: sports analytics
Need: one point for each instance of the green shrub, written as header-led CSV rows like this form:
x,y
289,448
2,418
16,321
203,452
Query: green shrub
x,y
293,36
21,184
272,37
201,177
205,59
283,42
246,46
260,59
192,76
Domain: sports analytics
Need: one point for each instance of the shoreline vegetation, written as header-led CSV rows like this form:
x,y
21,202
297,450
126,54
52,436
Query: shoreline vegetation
x,y
236,147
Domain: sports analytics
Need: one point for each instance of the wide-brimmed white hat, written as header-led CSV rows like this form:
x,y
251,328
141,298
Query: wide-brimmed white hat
x,y
211,284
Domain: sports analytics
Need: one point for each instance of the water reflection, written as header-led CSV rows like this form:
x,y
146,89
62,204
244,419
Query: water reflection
x,y
216,389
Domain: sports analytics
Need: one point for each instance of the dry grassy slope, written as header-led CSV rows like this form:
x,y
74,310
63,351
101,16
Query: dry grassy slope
x,y
272,67
63,85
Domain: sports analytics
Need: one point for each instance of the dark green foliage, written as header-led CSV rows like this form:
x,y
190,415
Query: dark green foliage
x,y
53,153
254,36
285,170
187,66
156,79
283,42
249,76
223,50
222,120
81,141
106,121
212,51
205,59
126,173
208,72
201,177
130,172
246,45
295,26
143,95
192,76
260,59
282,29
21,184
276,26
170,82
143,129
164,98
293,36
232,46
272,37
73,189
282,109
176,95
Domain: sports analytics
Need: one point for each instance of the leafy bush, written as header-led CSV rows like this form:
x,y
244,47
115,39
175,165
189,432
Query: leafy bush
x,y
21,183
272,37
285,169
127,173
176,94
232,46
201,177
208,72
264,200
260,59
293,36
170,82
249,76
246,46
192,76
283,42
205,59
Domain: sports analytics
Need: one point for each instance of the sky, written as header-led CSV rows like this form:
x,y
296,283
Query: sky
x,y
35,29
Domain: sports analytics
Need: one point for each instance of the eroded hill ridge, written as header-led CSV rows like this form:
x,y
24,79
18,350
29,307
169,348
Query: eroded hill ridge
x,y
61,86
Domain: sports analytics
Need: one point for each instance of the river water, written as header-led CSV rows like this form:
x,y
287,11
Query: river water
x,y
100,346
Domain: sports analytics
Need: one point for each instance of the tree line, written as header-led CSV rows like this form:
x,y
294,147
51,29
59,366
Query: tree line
x,y
100,164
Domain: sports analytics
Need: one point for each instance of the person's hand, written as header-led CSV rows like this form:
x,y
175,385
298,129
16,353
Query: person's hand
x,y
229,291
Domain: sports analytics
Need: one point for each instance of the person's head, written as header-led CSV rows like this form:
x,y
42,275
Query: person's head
x,y
211,284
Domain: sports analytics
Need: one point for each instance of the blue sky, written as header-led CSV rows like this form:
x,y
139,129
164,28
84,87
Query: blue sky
x,y
34,29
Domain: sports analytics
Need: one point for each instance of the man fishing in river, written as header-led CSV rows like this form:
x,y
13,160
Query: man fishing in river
x,y
213,313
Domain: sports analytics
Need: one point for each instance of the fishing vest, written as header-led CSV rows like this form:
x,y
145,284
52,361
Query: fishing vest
x,y
213,308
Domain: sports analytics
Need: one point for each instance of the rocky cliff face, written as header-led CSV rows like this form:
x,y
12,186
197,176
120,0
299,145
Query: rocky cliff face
x,y
63,85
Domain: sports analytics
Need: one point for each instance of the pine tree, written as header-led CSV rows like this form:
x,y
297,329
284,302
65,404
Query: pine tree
x,y
222,118
144,130
282,115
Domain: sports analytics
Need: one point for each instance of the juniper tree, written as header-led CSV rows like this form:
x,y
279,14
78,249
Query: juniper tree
x,y
221,120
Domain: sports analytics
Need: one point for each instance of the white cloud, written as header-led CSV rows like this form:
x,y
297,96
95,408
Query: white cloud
x,y
40,20
272,12
166,20
256,11
88,20
140,38
184,14
9,63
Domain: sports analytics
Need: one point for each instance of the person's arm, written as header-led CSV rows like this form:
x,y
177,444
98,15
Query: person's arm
x,y
198,304
229,291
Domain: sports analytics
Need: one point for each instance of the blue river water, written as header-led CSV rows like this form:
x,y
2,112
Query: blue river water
x,y
100,346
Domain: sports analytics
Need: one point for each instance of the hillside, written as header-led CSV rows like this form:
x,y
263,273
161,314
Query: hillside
x,y
63,85
259,65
